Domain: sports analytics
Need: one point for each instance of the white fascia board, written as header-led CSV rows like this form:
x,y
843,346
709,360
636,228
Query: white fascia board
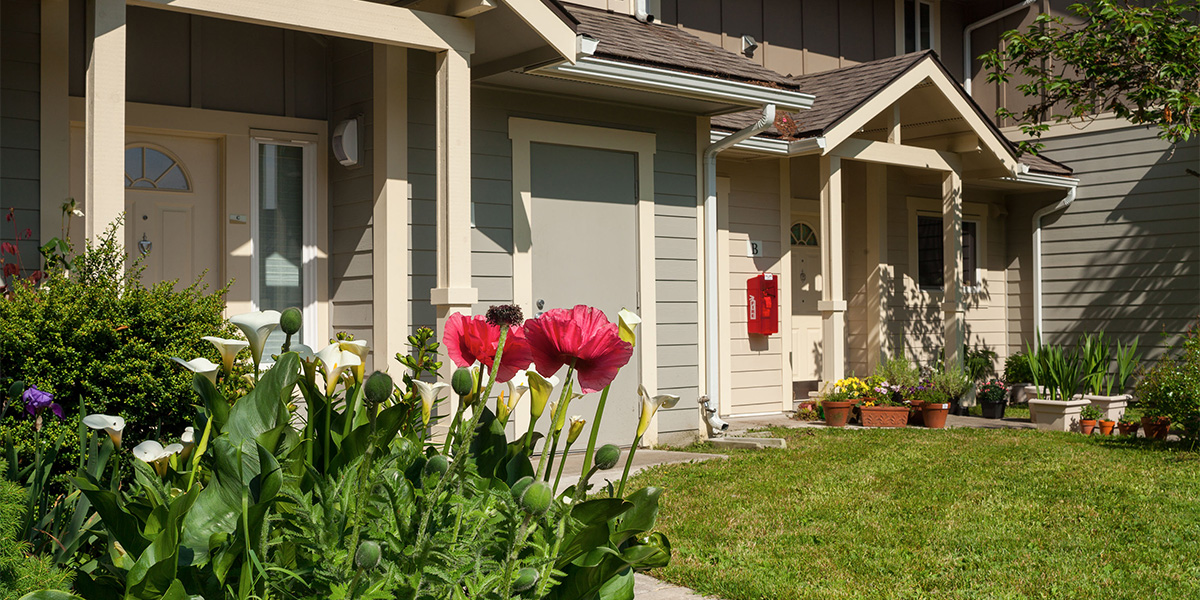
x,y
1044,180
774,146
677,83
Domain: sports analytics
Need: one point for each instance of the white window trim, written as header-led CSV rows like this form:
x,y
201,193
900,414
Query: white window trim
x,y
974,212
935,19
309,251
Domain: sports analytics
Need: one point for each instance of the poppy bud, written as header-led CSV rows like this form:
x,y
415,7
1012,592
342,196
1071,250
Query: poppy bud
x,y
463,382
378,388
536,498
437,466
368,555
291,320
520,486
526,578
607,456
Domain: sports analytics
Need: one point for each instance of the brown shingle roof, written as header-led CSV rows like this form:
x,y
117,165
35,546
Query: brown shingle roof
x,y
840,91
626,39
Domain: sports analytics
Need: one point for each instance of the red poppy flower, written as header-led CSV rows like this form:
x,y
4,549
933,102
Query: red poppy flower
x,y
472,339
582,335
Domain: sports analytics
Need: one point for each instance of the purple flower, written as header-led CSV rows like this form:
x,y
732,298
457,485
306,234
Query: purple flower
x,y
37,401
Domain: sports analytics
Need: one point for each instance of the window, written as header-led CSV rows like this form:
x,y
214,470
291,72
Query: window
x,y
919,18
930,252
148,168
803,235
283,276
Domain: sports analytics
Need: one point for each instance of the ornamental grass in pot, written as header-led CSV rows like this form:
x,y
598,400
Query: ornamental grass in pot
x,y
993,397
1105,388
1060,374
953,383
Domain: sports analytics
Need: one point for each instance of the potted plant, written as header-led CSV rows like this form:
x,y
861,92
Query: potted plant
x,y
883,406
1019,378
1127,425
1059,374
1087,419
993,397
953,383
934,405
1101,382
1106,426
838,398
1155,425
904,376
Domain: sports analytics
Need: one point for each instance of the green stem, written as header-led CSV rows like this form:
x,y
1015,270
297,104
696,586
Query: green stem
x,y
591,447
628,462
462,406
328,433
511,558
562,463
568,384
529,435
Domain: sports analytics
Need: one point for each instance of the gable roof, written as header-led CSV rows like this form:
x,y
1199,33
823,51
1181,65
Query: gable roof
x,y
839,92
623,38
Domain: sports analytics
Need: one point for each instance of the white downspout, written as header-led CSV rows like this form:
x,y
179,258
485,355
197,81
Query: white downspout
x,y
967,58
642,12
712,296
1037,257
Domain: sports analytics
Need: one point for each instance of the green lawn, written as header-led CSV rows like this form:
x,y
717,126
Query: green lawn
x,y
959,513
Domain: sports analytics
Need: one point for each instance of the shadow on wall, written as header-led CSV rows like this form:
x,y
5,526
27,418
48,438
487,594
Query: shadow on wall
x,y
922,334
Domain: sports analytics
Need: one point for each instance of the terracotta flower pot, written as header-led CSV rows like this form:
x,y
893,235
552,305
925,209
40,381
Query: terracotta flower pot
x,y
1128,428
1086,426
1156,427
836,413
935,415
1106,427
915,415
884,416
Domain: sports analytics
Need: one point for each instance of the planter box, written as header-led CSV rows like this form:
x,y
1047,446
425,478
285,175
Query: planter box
x,y
1111,407
884,416
1052,415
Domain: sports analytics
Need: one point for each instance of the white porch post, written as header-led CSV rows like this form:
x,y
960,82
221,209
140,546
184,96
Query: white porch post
x,y
104,156
952,306
833,303
453,292
389,222
878,268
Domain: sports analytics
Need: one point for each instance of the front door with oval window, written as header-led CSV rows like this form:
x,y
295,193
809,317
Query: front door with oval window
x,y
171,208
806,292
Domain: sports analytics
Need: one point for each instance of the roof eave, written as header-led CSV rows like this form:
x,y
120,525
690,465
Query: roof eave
x,y
771,145
677,83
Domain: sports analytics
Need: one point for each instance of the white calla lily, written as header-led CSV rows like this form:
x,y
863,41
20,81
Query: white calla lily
x,y
188,440
430,393
540,389
155,455
361,349
113,426
650,405
228,349
627,323
334,361
200,365
256,326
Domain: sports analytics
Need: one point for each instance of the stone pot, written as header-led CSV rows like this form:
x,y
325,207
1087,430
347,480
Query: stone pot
x,y
1111,407
1053,415
836,413
934,415
884,416
1020,393
1106,426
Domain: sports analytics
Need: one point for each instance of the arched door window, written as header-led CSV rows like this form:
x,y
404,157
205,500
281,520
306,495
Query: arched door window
x,y
803,235
148,168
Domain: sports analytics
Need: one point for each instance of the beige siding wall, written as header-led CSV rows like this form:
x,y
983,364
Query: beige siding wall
x,y
1125,257
19,137
755,371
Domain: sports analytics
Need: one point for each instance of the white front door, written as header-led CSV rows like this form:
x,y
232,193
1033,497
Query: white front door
x,y
806,292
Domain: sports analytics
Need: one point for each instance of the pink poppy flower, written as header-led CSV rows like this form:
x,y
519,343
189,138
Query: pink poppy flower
x,y
472,339
583,335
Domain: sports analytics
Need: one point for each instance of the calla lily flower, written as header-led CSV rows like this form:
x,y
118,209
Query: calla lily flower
x,y
228,349
430,393
188,440
575,428
361,350
627,322
256,326
308,360
155,455
540,389
517,386
113,426
560,419
650,405
334,361
200,365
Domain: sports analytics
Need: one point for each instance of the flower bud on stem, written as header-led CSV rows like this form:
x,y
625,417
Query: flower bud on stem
x,y
584,473
563,400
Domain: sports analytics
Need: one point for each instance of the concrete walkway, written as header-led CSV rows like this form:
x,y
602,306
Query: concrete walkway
x,y
644,458
646,587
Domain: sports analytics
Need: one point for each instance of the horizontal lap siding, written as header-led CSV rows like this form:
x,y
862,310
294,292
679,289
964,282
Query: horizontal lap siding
x,y
1124,258
756,369
674,251
20,84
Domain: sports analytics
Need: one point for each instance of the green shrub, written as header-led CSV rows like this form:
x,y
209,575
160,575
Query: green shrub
x,y
899,371
19,572
1016,369
97,336
1171,388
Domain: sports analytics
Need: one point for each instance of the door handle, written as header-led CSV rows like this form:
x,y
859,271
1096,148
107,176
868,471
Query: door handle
x,y
144,245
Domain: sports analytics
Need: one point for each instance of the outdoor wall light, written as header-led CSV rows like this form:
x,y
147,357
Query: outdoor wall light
x,y
347,142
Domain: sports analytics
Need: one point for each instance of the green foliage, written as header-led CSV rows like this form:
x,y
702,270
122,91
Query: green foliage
x,y
97,336
1016,369
1060,372
992,392
951,382
1171,388
1089,413
21,573
1138,61
899,371
979,363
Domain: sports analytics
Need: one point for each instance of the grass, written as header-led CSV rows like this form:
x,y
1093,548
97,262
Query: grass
x,y
959,513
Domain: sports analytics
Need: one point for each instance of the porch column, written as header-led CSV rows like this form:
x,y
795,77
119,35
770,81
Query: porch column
x,y
453,292
952,306
833,303
104,154
878,269
389,222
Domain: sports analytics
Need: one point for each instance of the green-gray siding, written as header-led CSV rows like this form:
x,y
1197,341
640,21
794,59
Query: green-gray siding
x,y
20,82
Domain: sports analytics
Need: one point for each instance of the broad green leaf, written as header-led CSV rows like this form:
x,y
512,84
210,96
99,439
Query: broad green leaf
x,y
50,595
619,587
640,518
120,525
599,510
215,404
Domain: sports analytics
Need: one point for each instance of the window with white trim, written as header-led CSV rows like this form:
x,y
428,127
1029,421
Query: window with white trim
x,y
919,25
